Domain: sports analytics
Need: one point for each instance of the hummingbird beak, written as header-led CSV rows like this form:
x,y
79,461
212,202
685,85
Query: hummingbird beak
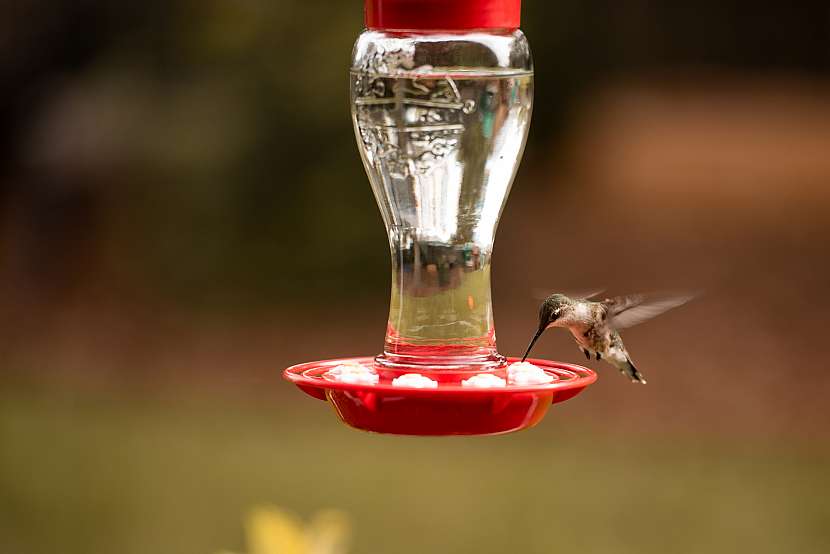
x,y
533,341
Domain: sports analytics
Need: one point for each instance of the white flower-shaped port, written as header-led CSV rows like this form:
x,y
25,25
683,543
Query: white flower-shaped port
x,y
525,373
353,373
484,381
414,380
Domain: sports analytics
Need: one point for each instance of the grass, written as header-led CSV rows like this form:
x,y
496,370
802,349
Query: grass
x,y
105,473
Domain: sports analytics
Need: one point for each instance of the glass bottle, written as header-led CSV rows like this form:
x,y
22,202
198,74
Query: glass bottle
x,y
441,96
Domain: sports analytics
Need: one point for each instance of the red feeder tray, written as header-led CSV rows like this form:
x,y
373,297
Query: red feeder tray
x,y
448,409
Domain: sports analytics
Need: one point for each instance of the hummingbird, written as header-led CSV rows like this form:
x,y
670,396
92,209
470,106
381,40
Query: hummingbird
x,y
595,325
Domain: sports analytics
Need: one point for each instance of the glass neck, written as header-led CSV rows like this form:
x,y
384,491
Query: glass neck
x,y
440,311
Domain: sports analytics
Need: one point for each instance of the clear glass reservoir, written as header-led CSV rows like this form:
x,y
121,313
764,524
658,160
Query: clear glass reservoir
x,y
441,121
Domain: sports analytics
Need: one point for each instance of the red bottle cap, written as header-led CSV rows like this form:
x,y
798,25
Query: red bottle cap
x,y
442,15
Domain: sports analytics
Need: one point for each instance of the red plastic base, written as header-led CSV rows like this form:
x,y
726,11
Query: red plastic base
x,y
449,409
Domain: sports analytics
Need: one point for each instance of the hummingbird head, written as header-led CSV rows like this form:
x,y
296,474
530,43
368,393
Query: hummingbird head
x,y
550,311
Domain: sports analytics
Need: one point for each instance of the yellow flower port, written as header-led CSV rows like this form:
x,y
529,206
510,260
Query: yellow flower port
x,y
271,530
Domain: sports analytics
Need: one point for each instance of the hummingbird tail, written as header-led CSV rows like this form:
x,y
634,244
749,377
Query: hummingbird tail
x,y
633,373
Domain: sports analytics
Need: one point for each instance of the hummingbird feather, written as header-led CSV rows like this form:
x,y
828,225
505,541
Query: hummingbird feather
x,y
627,311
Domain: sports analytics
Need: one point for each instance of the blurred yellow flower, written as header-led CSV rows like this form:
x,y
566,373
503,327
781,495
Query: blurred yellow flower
x,y
270,530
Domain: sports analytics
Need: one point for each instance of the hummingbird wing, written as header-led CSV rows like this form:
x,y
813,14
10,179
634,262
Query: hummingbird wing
x,y
627,311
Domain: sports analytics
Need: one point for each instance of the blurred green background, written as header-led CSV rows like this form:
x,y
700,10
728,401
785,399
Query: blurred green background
x,y
183,213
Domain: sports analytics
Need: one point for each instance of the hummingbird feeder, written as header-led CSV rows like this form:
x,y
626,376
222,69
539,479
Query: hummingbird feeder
x,y
441,96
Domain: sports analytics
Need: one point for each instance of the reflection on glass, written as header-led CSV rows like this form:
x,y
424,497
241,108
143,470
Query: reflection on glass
x,y
441,148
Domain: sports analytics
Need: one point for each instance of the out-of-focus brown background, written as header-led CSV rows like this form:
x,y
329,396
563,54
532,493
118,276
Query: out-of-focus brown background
x,y
183,213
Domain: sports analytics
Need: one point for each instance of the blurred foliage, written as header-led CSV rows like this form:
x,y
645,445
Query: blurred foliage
x,y
205,150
